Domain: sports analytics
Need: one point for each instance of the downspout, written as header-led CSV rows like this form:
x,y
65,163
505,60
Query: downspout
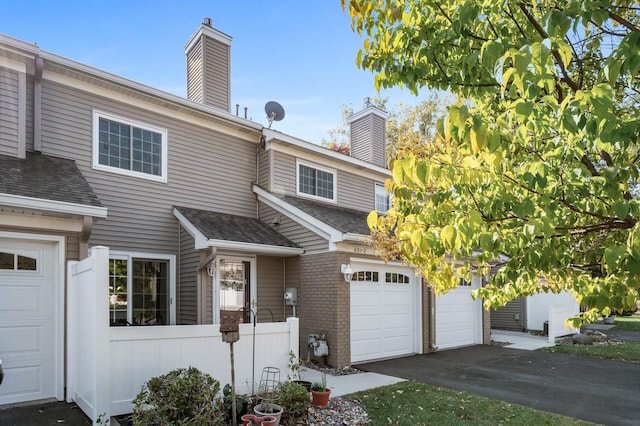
x,y
37,104
261,144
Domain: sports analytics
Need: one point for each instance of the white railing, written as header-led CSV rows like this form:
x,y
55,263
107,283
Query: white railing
x,y
107,366
557,318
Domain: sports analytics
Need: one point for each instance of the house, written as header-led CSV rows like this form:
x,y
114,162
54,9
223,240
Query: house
x,y
185,212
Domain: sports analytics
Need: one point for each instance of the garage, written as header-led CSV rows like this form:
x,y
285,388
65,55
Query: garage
x,y
459,317
28,284
383,312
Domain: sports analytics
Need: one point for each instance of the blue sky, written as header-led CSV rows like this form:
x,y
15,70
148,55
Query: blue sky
x,y
300,53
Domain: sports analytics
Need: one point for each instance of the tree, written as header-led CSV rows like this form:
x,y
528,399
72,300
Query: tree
x,y
533,172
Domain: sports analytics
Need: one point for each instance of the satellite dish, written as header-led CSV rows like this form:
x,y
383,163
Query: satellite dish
x,y
274,111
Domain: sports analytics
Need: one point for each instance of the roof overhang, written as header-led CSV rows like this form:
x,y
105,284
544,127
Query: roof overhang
x,y
202,242
19,201
305,219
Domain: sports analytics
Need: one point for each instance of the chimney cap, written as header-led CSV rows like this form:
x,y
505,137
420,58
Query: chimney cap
x,y
207,22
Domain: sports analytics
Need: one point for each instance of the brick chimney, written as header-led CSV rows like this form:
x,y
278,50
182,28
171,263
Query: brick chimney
x,y
368,134
209,67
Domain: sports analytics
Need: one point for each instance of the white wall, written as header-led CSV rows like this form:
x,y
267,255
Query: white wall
x,y
537,308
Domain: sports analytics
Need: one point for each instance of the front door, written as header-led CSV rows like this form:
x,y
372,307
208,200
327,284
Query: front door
x,y
235,288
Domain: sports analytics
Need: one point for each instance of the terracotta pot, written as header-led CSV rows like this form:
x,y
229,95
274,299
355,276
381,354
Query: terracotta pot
x,y
253,420
321,399
276,411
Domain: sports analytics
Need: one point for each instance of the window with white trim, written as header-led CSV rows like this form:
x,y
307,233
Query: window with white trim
x,y
396,278
316,182
382,198
365,276
128,147
141,289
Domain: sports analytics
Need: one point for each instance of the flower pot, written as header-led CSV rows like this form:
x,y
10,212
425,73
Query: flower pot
x,y
321,399
275,411
304,384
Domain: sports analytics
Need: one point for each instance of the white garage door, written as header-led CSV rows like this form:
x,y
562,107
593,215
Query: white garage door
x,y
459,317
27,279
382,312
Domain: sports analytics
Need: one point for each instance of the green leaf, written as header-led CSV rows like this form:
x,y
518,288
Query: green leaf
x,y
621,208
448,235
372,219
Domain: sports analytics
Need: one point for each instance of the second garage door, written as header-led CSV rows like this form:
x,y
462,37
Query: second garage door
x,y
459,317
382,312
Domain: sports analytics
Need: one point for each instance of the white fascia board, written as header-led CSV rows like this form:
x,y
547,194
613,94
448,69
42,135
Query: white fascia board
x,y
314,225
350,236
278,141
254,248
52,206
371,110
209,32
201,242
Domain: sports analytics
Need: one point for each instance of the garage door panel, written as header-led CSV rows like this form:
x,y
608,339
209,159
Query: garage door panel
x,y
27,320
458,317
382,318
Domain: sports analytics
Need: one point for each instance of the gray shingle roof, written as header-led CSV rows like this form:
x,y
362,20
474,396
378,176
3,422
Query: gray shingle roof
x,y
45,177
228,227
340,218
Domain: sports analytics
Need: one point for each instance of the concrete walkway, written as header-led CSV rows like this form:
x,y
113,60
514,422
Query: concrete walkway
x,y
344,385
519,340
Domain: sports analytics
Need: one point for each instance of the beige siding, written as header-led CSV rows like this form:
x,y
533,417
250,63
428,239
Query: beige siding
x,y
368,139
311,242
207,170
284,174
354,191
195,76
9,112
270,285
186,292
505,316
264,168
291,277
216,77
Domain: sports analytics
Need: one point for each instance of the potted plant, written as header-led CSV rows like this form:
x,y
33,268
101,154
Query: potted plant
x,y
320,393
267,407
294,400
294,371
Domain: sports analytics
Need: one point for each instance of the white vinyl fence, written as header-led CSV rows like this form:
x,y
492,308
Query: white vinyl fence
x,y
108,365
557,318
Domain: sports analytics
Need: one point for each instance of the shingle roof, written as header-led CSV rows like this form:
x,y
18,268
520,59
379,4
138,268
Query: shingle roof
x,y
45,177
340,218
228,227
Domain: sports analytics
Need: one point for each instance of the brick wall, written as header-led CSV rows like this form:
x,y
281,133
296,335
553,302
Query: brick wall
x,y
323,305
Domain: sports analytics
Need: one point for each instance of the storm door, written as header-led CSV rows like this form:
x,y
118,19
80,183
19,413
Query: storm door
x,y
234,288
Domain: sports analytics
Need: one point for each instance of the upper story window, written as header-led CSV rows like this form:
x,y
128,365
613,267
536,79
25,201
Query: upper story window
x,y
128,147
382,198
316,182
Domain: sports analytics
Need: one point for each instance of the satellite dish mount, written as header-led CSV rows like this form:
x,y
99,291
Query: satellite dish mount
x,y
274,111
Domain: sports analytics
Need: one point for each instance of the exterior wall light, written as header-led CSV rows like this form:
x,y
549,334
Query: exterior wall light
x,y
347,273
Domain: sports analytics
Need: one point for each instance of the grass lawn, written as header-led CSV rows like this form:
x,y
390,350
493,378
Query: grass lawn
x,y
410,403
630,323
629,351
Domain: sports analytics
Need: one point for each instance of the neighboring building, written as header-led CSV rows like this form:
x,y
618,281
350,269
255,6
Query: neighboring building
x,y
204,213
532,313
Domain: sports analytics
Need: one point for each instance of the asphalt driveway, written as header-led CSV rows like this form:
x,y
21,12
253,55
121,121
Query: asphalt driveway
x,y
597,390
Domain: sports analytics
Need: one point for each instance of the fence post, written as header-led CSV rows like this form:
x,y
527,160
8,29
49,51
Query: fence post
x,y
102,335
72,333
294,335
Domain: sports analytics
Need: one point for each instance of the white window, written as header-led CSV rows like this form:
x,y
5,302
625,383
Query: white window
x,y
128,147
316,182
141,289
382,198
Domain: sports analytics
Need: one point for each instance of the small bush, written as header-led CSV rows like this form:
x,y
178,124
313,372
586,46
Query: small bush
x,y
294,399
180,397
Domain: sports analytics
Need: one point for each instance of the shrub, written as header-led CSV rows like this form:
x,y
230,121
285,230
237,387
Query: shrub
x,y
180,397
294,399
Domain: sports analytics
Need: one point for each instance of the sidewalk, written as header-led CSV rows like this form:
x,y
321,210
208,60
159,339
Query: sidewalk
x,y
344,385
520,340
